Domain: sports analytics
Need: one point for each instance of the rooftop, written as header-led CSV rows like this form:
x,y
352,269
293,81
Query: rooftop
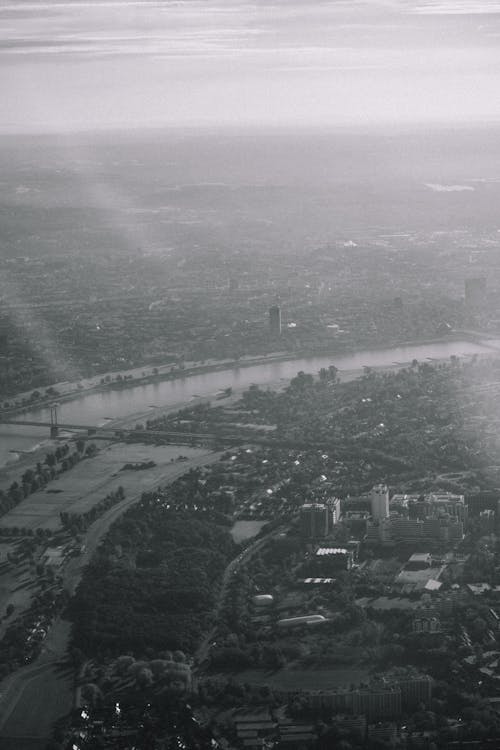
x,y
331,551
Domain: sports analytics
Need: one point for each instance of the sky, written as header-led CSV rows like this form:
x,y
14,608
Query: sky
x,y
69,65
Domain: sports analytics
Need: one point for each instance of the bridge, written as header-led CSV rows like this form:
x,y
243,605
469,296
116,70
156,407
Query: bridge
x,y
60,425
105,432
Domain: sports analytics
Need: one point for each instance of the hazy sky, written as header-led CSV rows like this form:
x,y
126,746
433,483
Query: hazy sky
x,y
73,64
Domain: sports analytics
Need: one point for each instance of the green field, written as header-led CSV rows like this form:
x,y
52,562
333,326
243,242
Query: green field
x,y
80,488
44,698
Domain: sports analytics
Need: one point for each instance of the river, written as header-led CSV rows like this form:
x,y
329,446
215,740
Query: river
x,y
97,408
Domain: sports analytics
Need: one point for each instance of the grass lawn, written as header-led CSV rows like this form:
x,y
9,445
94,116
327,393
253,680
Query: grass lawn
x,y
91,480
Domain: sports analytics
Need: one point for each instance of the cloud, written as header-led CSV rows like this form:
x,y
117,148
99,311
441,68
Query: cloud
x,y
448,188
457,7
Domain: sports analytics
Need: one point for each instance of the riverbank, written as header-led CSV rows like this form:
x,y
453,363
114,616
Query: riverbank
x,y
151,397
69,391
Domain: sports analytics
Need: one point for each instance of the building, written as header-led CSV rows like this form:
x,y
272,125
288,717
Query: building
x,y
54,558
399,503
403,530
333,505
426,625
252,728
487,521
356,521
351,724
379,497
377,703
275,320
362,503
294,734
314,520
493,619
447,503
379,532
485,500
419,560
415,689
475,292
437,505
332,559
384,732
263,600
294,622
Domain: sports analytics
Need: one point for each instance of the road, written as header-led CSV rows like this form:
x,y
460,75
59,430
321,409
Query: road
x,y
203,649
44,689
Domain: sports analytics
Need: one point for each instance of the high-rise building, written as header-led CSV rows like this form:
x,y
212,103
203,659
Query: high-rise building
x,y
475,292
275,320
380,501
314,520
333,504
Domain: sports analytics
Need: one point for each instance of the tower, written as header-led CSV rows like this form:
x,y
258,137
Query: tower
x,y
314,520
475,292
54,429
380,501
275,320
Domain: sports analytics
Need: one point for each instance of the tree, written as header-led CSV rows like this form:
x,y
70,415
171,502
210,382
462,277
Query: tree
x,y
124,664
144,677
77,656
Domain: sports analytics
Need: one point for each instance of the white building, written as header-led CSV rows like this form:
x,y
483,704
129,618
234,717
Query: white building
x,y
379,496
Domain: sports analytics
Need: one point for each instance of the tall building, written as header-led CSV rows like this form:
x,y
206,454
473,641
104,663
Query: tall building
x,y
314,520
333,504
380,501
475,292
275,320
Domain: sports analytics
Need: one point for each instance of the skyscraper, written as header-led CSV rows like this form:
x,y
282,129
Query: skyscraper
x,y
475,292
275,320
314,520
380,501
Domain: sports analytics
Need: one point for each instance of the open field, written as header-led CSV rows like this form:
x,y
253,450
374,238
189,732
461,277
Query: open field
x,y
302,679
47,695
18,588
91,480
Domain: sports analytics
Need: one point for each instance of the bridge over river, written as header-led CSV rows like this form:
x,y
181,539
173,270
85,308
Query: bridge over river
x,y
113,433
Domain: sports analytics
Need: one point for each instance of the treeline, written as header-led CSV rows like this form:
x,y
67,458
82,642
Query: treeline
x,y
79,522
54,464
152,585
